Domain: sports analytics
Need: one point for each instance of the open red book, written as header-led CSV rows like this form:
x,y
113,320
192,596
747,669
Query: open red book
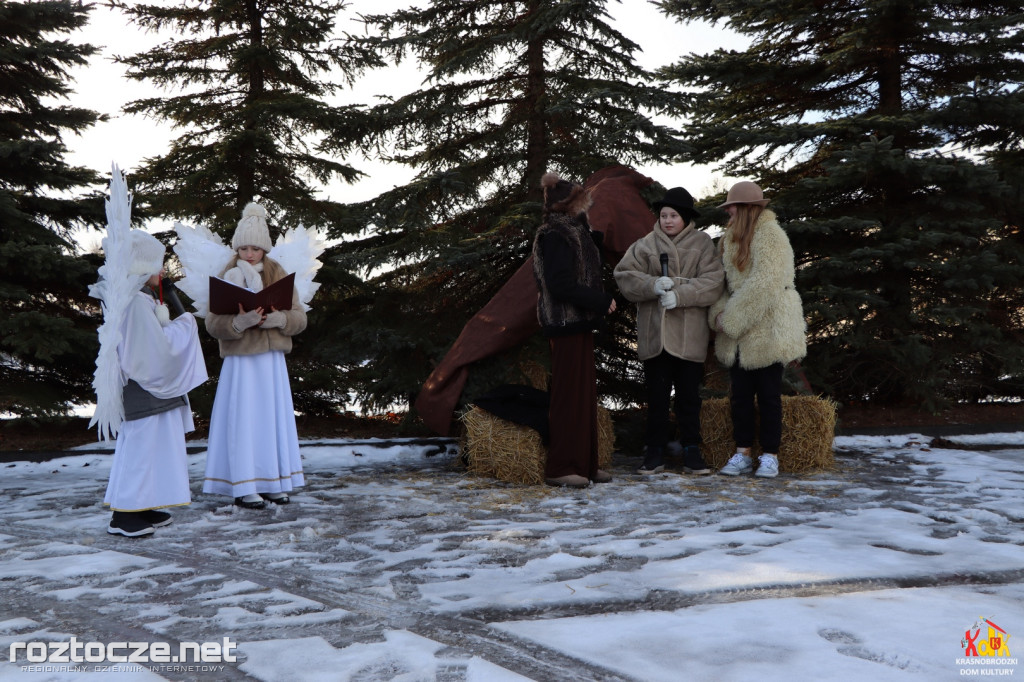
x,y
225,296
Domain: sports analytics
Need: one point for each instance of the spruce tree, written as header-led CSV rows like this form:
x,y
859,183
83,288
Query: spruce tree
x,y
48,326
512,89
248,86
252,88
872,125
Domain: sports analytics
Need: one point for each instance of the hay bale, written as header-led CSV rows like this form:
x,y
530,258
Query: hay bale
x,y
808,427
514,453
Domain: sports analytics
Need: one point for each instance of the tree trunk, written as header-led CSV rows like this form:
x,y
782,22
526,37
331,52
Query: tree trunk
x,y
536,125
247,154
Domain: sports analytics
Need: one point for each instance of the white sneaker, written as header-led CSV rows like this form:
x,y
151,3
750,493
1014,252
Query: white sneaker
x,y
737,464
768,466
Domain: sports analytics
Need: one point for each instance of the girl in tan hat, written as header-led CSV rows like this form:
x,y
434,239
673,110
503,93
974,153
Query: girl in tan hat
x,y
254,447
760,324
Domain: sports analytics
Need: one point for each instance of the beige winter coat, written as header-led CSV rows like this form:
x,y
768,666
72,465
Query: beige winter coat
x,y
255,340
697,271
762,316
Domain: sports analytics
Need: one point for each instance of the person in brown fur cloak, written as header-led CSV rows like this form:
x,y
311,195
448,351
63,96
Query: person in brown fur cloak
x,y
571,305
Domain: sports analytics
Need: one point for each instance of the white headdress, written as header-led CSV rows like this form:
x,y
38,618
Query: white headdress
x,y
147,254
131,258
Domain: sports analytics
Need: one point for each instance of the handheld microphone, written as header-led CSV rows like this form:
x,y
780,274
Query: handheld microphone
x,y
664,265
171,297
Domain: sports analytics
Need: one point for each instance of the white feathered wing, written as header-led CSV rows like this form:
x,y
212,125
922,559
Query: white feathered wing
x,y
298,250
203,254
115,289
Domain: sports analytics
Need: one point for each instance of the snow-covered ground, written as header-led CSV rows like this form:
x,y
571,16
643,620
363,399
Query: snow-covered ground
x,y
394,564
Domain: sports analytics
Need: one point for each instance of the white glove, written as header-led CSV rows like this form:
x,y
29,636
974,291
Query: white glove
x,y
275,320
663,284
243,321
668,300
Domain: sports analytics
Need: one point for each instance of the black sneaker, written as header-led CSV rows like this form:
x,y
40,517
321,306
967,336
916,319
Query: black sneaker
x,y
654,461
693,463
156,518
129,524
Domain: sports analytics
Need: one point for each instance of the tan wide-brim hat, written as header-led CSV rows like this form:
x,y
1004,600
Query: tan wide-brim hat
x,y
745,192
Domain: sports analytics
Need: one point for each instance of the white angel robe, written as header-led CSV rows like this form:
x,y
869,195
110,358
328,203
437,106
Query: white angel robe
x,y
254,446
150,468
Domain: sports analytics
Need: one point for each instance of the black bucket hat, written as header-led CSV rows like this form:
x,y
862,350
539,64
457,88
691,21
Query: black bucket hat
x,y
679,199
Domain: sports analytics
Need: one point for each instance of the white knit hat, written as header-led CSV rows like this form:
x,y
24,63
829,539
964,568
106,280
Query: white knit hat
x,y
252,229
147,254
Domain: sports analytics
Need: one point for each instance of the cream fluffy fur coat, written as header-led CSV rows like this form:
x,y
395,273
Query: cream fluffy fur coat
x,y
762,315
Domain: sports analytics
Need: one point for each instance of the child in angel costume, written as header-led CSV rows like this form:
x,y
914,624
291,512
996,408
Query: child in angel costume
x,y
146,366
253,452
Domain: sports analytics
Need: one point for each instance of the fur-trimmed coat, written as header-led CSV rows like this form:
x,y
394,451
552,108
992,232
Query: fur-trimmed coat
x,y
567,267
696,268
762,316
255,340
